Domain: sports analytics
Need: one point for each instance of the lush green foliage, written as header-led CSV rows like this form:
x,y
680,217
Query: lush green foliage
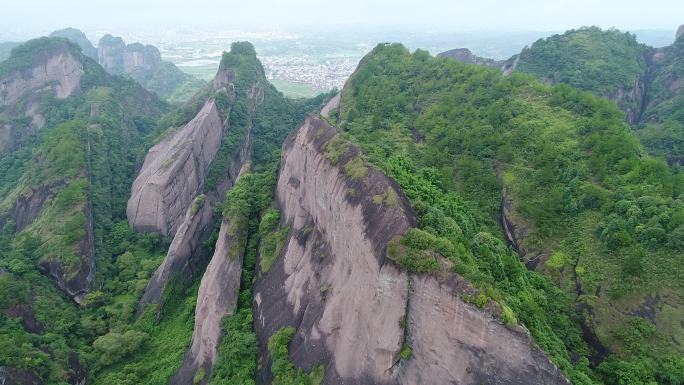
x,y
455,136
83,157
588,59
284,372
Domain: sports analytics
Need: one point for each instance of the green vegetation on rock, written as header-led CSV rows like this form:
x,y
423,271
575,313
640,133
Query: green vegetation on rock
x,y
579,183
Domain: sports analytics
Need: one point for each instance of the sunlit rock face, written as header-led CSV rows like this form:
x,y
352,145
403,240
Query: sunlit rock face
x,y
352,307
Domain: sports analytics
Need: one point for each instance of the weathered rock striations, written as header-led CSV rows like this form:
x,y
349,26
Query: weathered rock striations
x,y
185,249
174,172
348,301
58,70
217,298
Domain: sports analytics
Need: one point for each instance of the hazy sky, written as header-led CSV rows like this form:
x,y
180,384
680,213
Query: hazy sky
x,y
448,14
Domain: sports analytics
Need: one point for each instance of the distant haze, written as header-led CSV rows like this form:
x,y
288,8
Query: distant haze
x,y
30,17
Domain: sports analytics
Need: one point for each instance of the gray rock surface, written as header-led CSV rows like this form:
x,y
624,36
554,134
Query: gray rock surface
x,y
332,104
217,298
680,32
174,173
185,248
60,71
347,300
466,56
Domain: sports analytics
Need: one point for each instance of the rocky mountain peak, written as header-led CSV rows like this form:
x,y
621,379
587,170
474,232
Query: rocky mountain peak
x,y
680,32
38,63
77,36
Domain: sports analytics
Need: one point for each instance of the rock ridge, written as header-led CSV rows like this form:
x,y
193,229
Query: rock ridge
x,y
354,309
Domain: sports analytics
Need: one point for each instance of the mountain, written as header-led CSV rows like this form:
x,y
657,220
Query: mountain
x,y
71,135
143,64
643,81
78,37
224,137
433,222
488,160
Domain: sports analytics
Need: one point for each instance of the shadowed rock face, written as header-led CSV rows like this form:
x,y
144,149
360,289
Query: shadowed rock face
x,y
680,32
76,283
466,56
217,298
60,71
185,248
174,172
347,301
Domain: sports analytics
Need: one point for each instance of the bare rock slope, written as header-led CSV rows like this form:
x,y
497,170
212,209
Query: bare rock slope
x,y
60,71
174,172
352,307
216,299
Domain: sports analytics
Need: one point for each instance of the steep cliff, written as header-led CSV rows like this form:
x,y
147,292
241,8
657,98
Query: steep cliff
x,y
355,311
52,63
174,172
166,196
217,298
144,64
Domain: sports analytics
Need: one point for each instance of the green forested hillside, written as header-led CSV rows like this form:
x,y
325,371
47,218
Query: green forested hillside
x,y
83,161
604,219
589,59
645,82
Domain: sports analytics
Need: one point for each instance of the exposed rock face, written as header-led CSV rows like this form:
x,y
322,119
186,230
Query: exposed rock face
x,y
353,327
60,71
333,104
217,298
110,52
174,173
14,376
516,231
27,207
76,283
118,58
185,248
347,300
456,343
466,56
680,32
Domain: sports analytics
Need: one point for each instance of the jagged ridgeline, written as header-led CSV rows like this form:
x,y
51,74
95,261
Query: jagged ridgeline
x,y
226,138
597,221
